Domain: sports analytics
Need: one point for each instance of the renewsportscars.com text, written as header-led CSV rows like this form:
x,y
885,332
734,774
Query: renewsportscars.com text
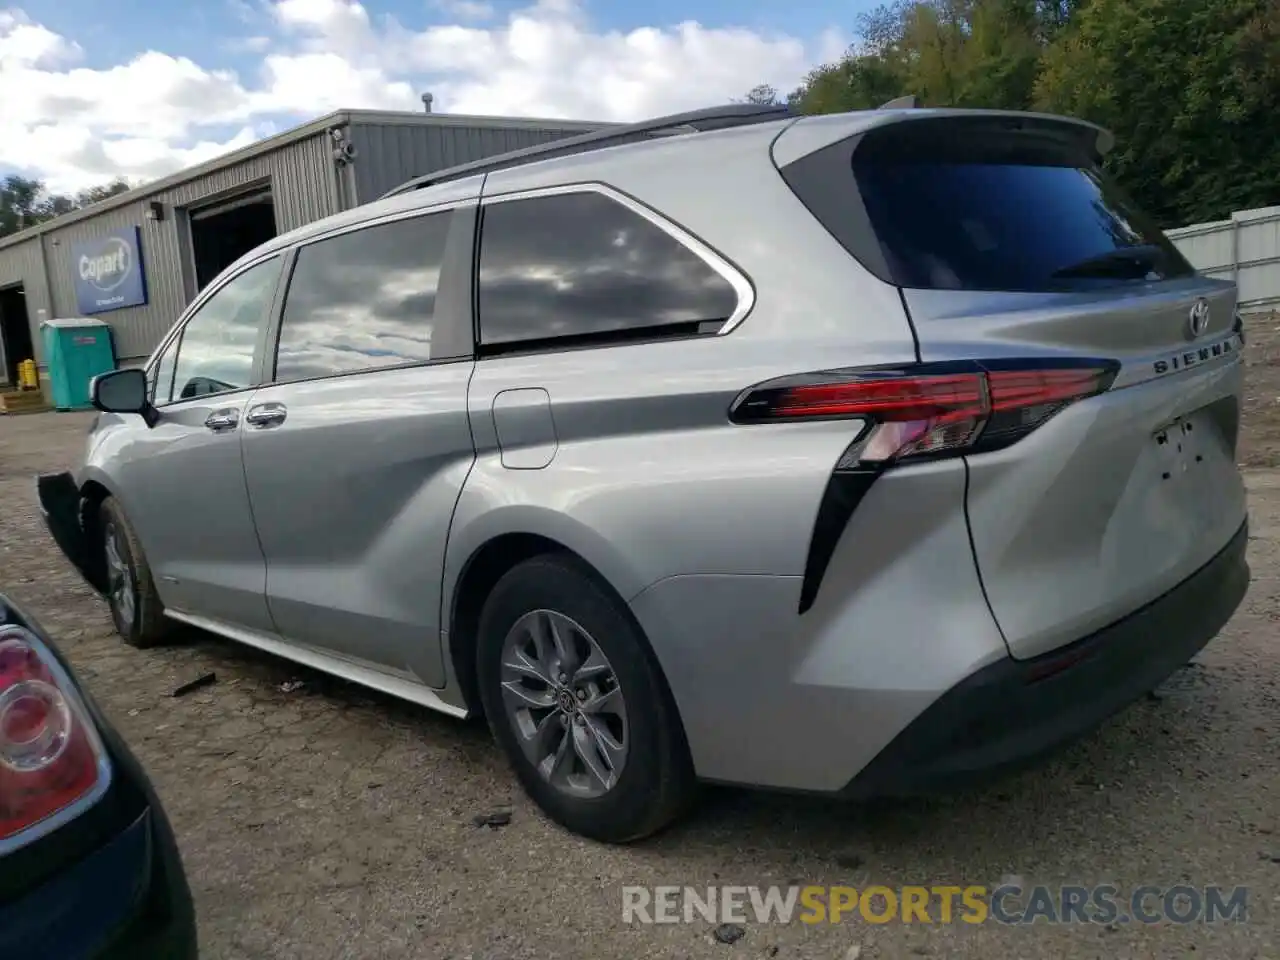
x,y
1007,904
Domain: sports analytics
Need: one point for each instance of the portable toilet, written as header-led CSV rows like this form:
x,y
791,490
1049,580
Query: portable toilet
x,y
76,350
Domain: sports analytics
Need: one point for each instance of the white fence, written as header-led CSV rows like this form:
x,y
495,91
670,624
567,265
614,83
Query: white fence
x,y
1245,249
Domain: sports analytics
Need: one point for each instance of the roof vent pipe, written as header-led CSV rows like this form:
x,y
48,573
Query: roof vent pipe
x,y
426,102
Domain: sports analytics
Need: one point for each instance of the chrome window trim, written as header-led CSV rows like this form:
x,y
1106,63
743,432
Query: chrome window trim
x,y
741,285
383,219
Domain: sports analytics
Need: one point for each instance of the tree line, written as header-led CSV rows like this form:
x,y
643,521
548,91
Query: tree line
x,y
25,202
1190,88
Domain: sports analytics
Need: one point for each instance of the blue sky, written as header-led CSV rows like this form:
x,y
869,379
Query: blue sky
x,y
142,87
138,25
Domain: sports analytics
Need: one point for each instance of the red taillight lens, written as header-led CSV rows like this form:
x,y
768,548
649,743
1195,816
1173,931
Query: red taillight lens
x,y
889,397
918,412
51,758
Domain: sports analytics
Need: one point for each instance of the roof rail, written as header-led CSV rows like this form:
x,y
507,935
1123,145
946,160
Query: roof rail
x,y
694,121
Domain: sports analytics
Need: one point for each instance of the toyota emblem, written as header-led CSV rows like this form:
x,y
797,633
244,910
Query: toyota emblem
x,y
1198,319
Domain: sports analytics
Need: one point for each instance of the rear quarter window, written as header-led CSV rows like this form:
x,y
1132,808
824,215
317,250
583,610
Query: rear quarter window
x,y
582,268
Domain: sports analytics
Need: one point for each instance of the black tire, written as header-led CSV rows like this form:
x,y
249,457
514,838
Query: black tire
x,y
147,626
657,782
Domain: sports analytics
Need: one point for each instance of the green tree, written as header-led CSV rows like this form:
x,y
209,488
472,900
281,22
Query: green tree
x,y
25,202
762,94
105,191
20,203
871,72
857,82
1054,15
1190,88
946,52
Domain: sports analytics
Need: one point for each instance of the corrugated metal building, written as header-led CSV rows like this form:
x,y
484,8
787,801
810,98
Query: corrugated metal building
x,y
170,237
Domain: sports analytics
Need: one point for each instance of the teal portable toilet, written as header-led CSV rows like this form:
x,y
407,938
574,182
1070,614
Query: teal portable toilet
x,y
76,350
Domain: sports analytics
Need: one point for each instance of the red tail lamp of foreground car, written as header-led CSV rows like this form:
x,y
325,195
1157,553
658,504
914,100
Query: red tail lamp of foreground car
x,y
52,761
923,412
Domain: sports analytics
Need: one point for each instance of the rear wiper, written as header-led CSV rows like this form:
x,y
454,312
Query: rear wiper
x,y
1128,262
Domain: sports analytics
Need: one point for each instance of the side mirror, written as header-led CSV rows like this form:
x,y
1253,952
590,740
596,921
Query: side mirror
x,y
122,391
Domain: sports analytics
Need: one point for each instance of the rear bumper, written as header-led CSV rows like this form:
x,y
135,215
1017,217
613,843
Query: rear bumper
x,y
125,901
1013,711
60,505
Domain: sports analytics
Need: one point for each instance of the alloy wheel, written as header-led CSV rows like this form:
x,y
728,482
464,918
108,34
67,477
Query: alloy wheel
x,y
120,586
564,703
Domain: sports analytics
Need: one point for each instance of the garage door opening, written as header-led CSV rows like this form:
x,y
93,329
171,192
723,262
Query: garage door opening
x,y
222,234
15,331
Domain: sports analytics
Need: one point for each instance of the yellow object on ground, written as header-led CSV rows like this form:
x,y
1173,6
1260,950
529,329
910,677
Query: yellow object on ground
x,y
28,378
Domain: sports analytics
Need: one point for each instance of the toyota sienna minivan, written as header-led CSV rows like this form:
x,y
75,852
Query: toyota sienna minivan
x,y
855,454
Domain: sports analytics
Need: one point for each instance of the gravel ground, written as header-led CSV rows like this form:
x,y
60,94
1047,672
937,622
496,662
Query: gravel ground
x,y
329,822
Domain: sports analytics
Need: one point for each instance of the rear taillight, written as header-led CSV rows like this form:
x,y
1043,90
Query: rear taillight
x,y
928,410
921,412
51,759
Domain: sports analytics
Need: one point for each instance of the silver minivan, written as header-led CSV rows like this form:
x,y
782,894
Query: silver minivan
x,y
856,454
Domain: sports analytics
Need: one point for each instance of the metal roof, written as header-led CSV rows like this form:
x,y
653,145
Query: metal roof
x,y
278,141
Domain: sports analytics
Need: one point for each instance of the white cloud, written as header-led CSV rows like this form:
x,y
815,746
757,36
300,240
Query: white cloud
x,y
76,126
27,44
466,9
326,25
243,10
548,65
255,44
317,83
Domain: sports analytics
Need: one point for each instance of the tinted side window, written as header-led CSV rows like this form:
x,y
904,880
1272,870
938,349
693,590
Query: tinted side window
x,y
215,352
363,300
583,265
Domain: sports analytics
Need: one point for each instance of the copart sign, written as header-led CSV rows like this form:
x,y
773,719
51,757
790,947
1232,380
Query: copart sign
x,y
107,272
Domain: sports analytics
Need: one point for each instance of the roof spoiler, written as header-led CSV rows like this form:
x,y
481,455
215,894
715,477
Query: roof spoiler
x,y
1104,140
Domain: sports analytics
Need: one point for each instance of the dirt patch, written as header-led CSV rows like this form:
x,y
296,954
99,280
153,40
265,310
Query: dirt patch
x,y
1260,433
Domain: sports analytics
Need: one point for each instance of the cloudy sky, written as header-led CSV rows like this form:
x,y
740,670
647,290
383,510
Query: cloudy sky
x,y
89,90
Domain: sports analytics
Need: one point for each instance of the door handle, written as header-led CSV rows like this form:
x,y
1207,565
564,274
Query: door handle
x,y
221,420
266,415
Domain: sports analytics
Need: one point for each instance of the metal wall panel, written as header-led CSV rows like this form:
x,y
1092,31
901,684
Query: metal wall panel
x,y
389,154
302,180
1245,249
21,264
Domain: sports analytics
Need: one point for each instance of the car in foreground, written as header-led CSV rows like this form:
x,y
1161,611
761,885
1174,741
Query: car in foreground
x,y
89,869
857,454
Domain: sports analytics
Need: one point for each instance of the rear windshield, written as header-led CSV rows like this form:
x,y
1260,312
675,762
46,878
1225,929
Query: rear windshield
x,y
1028,226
